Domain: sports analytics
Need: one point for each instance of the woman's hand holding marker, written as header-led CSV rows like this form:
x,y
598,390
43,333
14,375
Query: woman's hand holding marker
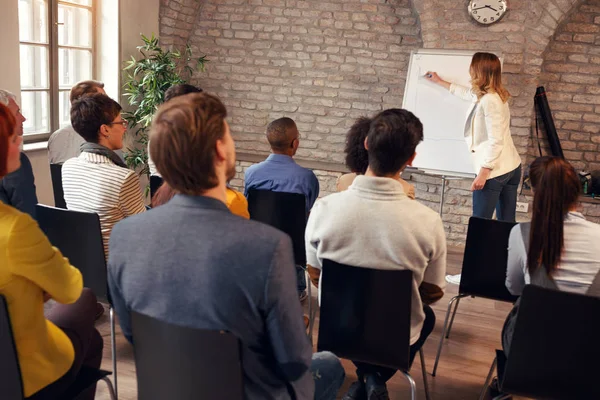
x,y
435,78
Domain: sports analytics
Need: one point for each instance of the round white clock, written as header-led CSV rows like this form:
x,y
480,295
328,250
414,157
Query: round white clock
x,y
487,11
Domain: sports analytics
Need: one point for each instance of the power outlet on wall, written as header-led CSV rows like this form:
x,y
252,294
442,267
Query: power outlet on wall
x,y
522,207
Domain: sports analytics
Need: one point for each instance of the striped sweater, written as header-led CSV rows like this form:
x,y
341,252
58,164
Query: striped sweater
x,y
93,183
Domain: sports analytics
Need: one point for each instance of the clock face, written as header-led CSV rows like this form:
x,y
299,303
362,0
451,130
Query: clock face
x,y
487,11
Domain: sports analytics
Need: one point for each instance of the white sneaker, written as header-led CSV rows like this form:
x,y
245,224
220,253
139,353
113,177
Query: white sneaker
x,y
453,279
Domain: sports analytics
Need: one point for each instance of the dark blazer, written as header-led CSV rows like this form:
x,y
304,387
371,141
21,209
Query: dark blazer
x,y
191,262
17,189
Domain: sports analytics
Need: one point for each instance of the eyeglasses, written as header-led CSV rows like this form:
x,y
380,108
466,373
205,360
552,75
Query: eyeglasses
x,y
121,122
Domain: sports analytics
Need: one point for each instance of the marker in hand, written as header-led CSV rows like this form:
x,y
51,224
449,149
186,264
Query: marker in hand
x,y
428,75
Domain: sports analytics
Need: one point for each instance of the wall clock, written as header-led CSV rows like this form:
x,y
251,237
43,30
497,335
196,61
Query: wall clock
x,y
487,12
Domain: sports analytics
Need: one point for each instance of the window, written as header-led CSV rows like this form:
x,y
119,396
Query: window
x,y
56,40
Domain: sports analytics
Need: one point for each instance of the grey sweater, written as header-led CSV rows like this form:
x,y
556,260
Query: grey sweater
x,y
191,262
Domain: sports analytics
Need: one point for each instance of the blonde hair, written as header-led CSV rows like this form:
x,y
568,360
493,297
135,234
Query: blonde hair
x,y
486,76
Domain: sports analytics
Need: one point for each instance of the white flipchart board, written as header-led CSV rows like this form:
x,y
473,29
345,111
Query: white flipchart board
x,y
443,150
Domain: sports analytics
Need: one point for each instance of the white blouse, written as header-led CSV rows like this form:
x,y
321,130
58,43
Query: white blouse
x,y
487,132
579,263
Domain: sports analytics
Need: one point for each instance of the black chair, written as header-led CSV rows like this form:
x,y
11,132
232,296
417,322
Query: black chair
x,y
554,350
78,236
176,362
286,212
57,187
483,270
11,384
155,183
365,316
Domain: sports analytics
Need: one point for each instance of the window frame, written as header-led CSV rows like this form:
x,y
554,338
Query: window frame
x,y
54,91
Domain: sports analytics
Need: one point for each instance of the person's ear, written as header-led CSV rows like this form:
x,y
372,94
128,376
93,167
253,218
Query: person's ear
x,y
221,150
104,131
367,143
411,159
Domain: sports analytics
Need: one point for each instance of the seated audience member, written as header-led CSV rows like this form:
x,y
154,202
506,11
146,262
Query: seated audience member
x,y
280,173
374,224
558,249
50,349
357,157
17,189
98,180
236,202
170,93
65,142
239,273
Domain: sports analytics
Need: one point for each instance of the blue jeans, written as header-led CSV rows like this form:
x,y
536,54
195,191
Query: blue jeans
x,y
328,373
498,193
301,279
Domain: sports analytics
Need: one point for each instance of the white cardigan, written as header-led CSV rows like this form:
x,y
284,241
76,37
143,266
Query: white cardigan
x,y
487,132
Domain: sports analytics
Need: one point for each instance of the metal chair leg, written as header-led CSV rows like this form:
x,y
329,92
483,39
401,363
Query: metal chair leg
x,y
488,379
424,370
310,305
452,319
111,390
113,345
413,386
439,352
503,397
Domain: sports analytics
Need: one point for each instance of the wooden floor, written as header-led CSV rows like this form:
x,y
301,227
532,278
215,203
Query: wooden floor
x,y
464,364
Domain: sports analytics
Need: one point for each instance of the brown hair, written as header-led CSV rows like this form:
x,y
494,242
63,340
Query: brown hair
x,y
7,130
486,76
183,138
556,190
162,195
89,113
180,90
83,88
393,137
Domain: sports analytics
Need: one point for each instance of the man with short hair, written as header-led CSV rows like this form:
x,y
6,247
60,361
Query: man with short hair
x,y
374,224
18,188
280,173
205,268
65,143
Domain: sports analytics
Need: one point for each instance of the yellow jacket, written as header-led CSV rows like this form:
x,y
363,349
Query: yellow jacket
x,y
237,203
30,266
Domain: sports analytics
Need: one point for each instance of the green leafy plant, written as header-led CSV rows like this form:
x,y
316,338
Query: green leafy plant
x,y
147,80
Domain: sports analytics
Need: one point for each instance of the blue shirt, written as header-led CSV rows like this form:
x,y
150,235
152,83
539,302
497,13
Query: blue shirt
x,y
17,189
280,173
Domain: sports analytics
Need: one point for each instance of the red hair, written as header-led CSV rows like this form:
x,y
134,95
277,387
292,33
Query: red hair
x,y
162,195
7,130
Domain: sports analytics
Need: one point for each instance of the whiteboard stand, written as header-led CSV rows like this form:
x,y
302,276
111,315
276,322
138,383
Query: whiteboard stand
x,y
442,195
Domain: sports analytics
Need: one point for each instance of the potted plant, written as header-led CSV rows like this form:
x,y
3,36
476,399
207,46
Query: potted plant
x,y
147,80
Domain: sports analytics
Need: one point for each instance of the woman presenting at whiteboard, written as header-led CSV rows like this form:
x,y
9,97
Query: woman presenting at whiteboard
x,y
487,132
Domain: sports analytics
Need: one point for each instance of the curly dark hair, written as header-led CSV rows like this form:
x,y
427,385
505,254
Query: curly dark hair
x,y
357,157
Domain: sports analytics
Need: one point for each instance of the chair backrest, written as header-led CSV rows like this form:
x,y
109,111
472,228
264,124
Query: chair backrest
x,y
284,211
11,385
57,187
484,263
155,183
77,235
175,362
365,314
555,349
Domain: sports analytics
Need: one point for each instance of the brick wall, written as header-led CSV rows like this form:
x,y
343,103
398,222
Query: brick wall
x,y
322,63
570,73
325,63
